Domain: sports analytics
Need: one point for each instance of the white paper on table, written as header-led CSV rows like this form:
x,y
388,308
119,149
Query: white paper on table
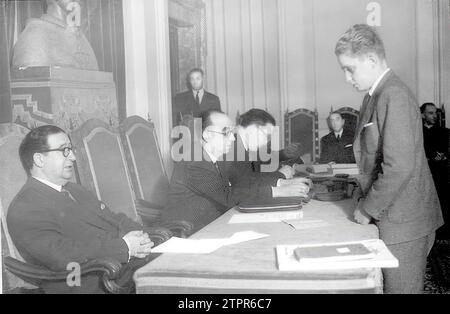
x,y
188,246
205,246
301,224
245,236
269,217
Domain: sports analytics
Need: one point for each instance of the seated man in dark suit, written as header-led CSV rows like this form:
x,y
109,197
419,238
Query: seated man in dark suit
x,y
437,150
202,190
195,101
337,147
54,222
252,156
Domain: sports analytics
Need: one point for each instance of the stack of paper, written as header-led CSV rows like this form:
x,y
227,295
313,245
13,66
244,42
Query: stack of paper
x,y
350,169
205,246
323,257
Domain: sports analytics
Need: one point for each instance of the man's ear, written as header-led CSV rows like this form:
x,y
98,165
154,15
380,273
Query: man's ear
x,y
38,160
205,136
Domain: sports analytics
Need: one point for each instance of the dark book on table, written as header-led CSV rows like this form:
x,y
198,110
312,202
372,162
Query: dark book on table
x,y
333,253
274,205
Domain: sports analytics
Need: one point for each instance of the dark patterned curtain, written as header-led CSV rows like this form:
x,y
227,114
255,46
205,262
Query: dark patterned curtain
x,y
102,23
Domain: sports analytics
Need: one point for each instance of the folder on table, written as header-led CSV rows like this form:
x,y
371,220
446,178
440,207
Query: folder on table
x,y
333,253
275,206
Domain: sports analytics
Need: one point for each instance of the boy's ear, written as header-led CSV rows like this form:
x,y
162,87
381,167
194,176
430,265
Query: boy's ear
x,y
373,58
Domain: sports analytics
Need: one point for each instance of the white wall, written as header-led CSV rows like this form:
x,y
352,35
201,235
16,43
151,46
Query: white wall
x,y
279,54
148,66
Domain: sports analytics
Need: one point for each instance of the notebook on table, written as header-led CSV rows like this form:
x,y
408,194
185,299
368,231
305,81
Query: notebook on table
x,y
335,253
276,205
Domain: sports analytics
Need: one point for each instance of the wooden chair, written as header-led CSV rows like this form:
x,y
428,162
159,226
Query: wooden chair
x,y
146,167
102,168
351,117
302,126
24,276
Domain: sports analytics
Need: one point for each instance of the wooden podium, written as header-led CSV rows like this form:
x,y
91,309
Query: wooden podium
x,y
65,97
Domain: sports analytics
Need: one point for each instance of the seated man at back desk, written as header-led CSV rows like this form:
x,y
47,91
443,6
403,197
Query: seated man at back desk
x,y
54,222
201,191
337,147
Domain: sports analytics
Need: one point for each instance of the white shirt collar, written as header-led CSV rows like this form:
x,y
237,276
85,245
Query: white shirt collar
x,y
200,92
50,184
211,156
340,133
244,143
377,82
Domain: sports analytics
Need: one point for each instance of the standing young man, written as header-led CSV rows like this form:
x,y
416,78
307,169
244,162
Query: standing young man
x,y
397,190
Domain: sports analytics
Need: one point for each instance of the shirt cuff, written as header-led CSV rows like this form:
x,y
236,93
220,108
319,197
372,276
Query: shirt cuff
x,y
128,245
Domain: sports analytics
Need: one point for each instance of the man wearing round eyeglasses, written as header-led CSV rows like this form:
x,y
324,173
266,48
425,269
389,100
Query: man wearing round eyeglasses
x,y
203,190
54,222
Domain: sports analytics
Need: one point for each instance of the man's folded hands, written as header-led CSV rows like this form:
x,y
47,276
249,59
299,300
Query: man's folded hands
x,y
139,244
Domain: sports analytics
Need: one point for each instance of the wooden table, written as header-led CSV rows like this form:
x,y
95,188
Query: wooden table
x,y
251,267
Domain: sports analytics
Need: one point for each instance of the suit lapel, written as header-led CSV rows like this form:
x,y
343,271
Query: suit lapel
x,y
89,212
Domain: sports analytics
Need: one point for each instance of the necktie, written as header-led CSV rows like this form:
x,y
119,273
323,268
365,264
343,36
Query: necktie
x,y
218,169
338,138
197,98
68,194
220,173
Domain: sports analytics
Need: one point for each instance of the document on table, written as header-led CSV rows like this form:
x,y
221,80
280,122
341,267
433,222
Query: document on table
x,y
301,224
205,246
380,257
269,217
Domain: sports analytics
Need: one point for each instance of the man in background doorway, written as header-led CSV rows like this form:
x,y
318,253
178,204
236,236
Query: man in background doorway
x,y
337,146
195,101
437,149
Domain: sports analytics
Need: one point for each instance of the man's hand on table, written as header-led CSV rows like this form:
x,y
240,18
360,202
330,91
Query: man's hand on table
x,y
291,190
287,171
139,244
361,216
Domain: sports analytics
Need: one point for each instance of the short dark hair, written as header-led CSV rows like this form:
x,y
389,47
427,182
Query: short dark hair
x,y
337,113
425,106
206,118
36,141
360,39
258,117
196,70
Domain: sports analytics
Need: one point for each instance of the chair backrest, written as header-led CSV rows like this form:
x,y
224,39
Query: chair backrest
x,y
144,160
302,126
101,166
12,178
351,117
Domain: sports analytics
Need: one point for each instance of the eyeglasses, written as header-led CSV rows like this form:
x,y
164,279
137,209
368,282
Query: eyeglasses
x,y
65,151
226,133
